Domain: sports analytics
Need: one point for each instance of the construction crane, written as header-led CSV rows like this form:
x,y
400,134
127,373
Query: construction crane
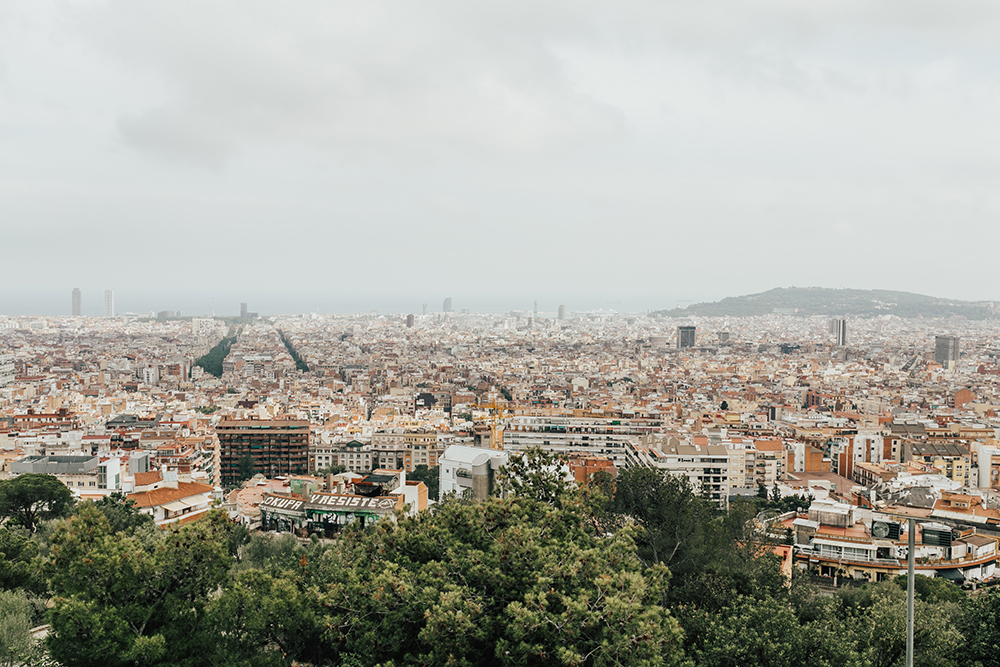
x,y
497,412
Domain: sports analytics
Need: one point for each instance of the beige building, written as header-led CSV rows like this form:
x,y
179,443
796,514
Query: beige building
x,y
405,450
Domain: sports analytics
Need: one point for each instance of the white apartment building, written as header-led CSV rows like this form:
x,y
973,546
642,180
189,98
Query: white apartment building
x,y
469,469
6,368
355,456
583,435
705,466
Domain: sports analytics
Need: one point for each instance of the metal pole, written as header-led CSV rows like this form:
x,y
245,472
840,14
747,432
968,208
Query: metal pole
x,y
910,541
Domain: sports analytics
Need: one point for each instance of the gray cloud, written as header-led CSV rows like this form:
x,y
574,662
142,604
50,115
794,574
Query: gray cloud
x,y
644,150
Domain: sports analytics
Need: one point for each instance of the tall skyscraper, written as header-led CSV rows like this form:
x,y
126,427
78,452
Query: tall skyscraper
x,y
447,305
562,312
409,321
945,349
109,303
243,311
685,337
840,330
76,301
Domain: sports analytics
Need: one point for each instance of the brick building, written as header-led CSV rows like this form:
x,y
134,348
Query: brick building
x,y
278,447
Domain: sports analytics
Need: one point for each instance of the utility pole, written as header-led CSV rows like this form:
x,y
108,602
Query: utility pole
x,y
910,544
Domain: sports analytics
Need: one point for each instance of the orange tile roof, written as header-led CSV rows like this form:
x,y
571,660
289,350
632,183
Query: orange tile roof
x,y
147,478
768,446
165,495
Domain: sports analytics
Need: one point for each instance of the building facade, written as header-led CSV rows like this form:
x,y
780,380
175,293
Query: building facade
x,y
277,447
685,337
945,349
6,368
840,331
578,435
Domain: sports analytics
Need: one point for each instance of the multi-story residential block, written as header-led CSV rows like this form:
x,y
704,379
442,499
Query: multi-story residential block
x,y
768,462
6,368
579,435
277,447
951,459
405,450
705,466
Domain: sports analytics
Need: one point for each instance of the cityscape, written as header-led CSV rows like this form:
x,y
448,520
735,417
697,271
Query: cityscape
x,y
307,425
507,334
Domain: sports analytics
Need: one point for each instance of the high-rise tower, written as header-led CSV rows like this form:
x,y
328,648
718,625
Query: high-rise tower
x,y
109,303
685,337
76,301
840,329
447,305
945,349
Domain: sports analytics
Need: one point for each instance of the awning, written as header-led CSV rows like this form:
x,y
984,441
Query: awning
x,y
175,506
953,574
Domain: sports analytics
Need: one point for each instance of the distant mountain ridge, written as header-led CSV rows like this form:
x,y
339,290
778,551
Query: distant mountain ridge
x,y
809,301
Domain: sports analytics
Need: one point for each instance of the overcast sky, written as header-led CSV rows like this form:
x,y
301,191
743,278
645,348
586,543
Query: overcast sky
x,y
342,156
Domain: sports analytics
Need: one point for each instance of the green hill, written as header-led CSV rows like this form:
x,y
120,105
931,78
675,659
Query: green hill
x,y
809,301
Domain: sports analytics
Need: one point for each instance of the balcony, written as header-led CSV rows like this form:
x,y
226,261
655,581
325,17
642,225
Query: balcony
x,y
921,563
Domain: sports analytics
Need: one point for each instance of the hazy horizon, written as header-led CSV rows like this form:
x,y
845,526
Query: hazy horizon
x,y
134,302
92,303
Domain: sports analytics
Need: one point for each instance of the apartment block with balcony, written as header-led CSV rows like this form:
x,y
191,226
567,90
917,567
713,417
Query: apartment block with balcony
x,y
277,447
577,435
705,466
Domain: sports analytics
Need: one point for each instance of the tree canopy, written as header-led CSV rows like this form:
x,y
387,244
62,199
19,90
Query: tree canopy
x,y
638,569
430,477
33,497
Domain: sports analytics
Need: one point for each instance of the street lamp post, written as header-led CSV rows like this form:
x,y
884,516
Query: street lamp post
x,y
911,535
910,548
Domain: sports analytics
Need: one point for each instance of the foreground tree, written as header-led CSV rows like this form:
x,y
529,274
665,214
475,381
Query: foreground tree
x,y
125,601
122,513
980,624
15,626
16,568
514,581
430,477
537,474
246,467
32,497
676,526
508,581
